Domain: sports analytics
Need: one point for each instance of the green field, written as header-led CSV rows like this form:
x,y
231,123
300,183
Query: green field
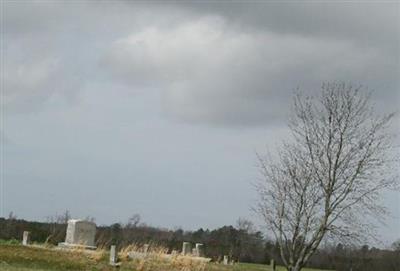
x,y
16,257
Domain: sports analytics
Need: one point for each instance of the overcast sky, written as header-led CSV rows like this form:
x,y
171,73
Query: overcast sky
x,y
113,108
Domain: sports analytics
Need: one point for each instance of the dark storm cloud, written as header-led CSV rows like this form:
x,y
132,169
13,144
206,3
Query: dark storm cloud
x,y
238,63
213,62
371,22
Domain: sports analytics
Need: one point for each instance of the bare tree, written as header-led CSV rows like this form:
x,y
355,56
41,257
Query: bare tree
x,y
245,225
396,245
133,221
327,182
58,225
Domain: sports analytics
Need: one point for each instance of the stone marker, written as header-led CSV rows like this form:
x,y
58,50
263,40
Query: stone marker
x,y
113,255
226,259
80,233
26,238
186,248
273,265
200,250
146,248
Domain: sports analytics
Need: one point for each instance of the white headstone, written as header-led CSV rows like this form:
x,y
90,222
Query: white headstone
x,y
80,233
186,248
200,250
226,259
25,238
113,255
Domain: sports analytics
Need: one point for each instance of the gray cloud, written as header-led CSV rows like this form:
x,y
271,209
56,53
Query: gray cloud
x,y
210,72
213,62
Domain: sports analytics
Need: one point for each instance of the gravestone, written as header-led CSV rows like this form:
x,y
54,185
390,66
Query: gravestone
x,y
26,238
200,250
273,265
80,233
226,260
113,255
186,248
146,248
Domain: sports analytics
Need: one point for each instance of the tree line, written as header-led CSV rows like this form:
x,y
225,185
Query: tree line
x,y
241,242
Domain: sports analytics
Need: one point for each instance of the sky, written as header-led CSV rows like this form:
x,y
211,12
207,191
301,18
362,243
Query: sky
x,y
112,108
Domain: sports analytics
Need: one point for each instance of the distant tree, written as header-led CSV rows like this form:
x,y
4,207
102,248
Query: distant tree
x,y
90,218
198,236
9,228
116,233
58,226
250,243
328,181
65,217
245,225
12,216
133,221
396,245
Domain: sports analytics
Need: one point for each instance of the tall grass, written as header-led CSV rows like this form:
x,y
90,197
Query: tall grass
x,y
157,259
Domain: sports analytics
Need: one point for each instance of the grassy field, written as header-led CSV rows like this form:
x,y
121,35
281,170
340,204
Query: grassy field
x,y
16,257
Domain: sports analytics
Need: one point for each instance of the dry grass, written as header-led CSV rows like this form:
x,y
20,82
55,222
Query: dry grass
x,y
40,258
157,259
183,263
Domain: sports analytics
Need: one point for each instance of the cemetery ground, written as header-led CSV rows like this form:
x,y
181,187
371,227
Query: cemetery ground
x,y
14,256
